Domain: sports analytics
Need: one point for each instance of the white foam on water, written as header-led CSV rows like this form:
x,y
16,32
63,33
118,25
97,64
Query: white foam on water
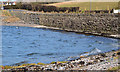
x,y
94,51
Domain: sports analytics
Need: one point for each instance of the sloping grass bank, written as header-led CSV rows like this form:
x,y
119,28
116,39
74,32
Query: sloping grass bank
x,y
86,5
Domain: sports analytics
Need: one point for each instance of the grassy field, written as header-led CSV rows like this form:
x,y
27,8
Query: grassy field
x,y
86,5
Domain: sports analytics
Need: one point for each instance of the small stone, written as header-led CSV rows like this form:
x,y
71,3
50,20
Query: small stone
x,y
118,53
114,55
49,69
95,61
97,58
89,63
103,55
81,56
81,62
101,60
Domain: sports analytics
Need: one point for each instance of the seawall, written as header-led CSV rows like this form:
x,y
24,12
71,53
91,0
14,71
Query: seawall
x,y
97,24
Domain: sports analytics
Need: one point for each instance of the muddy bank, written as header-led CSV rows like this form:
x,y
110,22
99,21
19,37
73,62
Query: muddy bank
x,y
96,24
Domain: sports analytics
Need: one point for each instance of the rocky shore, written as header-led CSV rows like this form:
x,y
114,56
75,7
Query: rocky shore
x,y
101,61
25,24
102,24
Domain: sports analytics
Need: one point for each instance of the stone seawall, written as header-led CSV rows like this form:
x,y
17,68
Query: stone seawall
x,y
98,24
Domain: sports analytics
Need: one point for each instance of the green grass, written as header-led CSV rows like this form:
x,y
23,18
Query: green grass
x,y
115,68
86,5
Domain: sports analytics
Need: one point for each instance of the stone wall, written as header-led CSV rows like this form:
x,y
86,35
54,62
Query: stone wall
x,y
99,24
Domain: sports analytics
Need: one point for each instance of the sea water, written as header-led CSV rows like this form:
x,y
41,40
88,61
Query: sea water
x,y
33,45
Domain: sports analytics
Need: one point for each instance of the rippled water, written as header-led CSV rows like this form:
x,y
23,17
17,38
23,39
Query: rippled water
x,y
33,45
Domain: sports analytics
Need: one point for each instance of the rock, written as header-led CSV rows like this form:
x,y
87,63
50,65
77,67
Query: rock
x,y
103,55
101,60
114,55
89,63
118,53
49,69
68,62
86,52
95,61
61,68
118,62
81,62
97,57
81,56
75,64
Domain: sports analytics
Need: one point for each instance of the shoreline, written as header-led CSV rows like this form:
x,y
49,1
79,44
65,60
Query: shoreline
x,y
55,28
100,61
53,21
94,24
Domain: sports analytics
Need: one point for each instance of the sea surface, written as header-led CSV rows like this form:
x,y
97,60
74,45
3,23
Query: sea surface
x,y
33,45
